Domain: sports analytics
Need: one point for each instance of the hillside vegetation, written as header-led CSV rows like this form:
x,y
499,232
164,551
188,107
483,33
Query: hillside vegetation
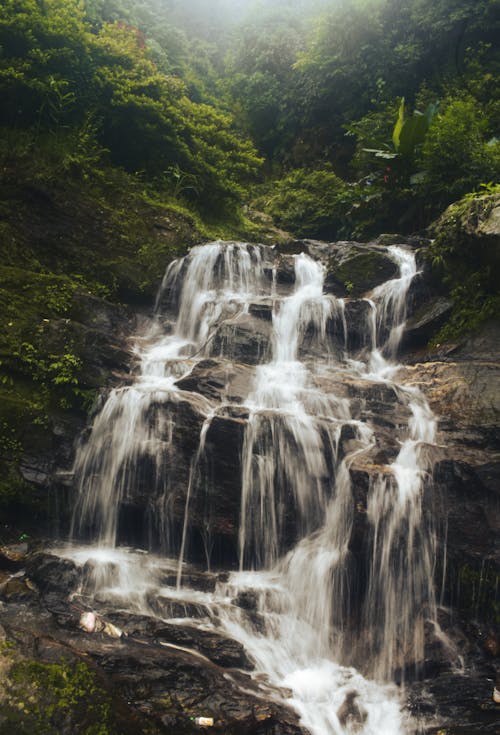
x,y
131,130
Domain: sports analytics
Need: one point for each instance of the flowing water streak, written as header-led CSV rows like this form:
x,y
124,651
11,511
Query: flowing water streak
x,y
305,600
401,591
400,594
193,472
214,279
292,467
306,609
284,452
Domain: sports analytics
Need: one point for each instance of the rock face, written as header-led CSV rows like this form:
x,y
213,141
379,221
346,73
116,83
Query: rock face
x,y
355,269
201,452
98,334
244,339
160,675
479,221
426,321
463,390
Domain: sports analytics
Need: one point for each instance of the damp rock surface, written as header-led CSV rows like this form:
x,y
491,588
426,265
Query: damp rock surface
x,y
341,501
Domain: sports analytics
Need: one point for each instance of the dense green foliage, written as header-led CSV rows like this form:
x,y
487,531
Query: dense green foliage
x,y
60,75
466,261
106,166
313,203
45,699
362,59
130,130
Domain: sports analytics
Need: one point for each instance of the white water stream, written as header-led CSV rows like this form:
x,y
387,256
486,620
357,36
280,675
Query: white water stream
x,y
307,642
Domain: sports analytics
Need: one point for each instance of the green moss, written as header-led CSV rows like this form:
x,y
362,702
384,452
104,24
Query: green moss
x,y
47,699
89,227
465,262
363,271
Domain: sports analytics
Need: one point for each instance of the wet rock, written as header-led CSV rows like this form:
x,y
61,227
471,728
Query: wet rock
x,y
52,573
160,471
218,648
467,392
451,697
425,322
174,686
466,516
358,314
246,599
420,292
218,380
201,581
13,556
411,241
17,589
262,309
66,614
245,339
445,647
167,607
353,269
294,247
285,270
351,714
471,512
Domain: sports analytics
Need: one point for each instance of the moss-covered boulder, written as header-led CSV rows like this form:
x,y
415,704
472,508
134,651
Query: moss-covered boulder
x,y
353,269
465,261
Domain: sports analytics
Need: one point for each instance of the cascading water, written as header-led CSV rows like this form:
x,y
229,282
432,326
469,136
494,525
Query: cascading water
x,y
218,280
320,613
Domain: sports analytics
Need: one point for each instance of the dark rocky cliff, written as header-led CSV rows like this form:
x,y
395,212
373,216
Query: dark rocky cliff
x,y
460,379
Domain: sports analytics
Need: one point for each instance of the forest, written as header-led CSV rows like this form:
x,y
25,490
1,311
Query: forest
x,y
249,410
130,130
337,119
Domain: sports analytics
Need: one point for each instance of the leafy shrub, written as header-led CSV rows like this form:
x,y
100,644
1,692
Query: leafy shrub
x,y
313,203
456,155
59,76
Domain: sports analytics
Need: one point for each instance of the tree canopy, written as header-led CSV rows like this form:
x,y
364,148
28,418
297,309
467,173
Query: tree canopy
x,y
59,72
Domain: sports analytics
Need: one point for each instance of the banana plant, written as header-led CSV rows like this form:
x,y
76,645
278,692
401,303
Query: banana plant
x,y
408,133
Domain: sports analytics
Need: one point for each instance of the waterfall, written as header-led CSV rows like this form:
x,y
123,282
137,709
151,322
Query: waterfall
x,y
336,625
132,433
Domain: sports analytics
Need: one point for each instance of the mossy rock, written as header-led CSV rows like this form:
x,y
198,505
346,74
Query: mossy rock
x,y
355,270
50,699
465,261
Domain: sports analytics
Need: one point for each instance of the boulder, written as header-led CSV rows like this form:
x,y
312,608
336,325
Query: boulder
x,y
353,269
223,651
52,573
245,339
463,394
476,218
425,322
358,314
218,380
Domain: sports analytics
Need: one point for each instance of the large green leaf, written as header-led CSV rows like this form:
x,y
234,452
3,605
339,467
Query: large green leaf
x,y
412,133
399,124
